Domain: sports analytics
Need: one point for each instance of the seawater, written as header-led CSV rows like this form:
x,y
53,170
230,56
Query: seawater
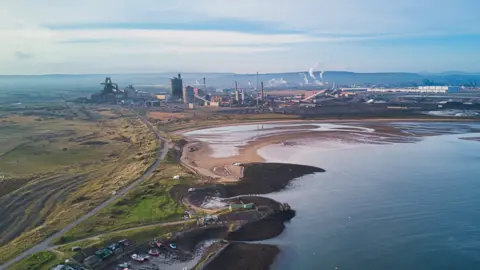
x,y
397,207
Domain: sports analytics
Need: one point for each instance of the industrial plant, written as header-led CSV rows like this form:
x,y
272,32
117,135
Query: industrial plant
x,y
310,96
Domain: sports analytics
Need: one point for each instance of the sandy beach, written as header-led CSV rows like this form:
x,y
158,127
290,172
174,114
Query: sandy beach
x,y
215,158
199,154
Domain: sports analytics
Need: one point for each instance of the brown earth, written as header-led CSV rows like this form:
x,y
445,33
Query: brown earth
x,y
263,178
241,256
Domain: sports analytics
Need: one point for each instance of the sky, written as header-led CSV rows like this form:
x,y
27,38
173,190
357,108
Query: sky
x,y
242,36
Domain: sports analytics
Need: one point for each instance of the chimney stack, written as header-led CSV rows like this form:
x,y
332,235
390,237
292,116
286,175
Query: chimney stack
x,y
236,92
262,93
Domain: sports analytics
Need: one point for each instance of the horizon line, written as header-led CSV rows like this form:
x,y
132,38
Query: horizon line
x,y
234,73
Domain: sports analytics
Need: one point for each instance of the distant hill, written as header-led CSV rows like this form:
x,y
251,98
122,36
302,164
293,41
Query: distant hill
x,y
92,81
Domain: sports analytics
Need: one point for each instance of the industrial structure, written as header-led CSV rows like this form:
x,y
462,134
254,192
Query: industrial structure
x,y
420,89
188,95
109,87
176,87
111,93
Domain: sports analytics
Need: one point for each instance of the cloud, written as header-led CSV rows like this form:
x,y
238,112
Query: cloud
x,y
92,33
23,55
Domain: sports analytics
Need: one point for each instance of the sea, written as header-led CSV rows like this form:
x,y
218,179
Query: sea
x,y
399,206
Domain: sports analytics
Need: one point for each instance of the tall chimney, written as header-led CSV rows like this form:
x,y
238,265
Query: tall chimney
x,y
236,91
262,93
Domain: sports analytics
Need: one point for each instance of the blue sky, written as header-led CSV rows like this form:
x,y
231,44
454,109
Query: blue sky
x,y
123,36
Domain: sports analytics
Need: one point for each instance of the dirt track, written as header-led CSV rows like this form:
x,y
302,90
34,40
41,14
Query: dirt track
x,y
161,153
28,207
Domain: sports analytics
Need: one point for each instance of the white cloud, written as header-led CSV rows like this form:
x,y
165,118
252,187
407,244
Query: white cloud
x,y
23,26
345,16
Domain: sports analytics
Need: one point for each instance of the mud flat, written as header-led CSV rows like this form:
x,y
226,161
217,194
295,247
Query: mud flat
x,y
240,170
263,178
241,256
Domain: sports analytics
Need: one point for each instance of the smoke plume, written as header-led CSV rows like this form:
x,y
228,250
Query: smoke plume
x,y
305,78
276,82
310,71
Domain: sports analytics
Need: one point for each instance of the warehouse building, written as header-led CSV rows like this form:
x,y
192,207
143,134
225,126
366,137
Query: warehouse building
x,y
439,89
420,89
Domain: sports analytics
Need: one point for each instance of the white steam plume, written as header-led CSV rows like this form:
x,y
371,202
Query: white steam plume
x,y
305,78
275,82
310,71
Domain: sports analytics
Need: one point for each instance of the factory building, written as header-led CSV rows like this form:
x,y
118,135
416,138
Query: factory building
x,y
176,87
130,92
420,89
353,90
188,95
221,98
439,89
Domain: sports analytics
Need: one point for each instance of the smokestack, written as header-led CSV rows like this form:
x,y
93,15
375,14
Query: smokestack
x,y
204,86
236,91
262,93
243,96
256,89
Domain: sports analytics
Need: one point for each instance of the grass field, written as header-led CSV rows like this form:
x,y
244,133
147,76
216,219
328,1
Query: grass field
x,y
39,261
59,162
150,203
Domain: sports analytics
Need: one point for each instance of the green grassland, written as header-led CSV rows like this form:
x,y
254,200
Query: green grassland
x,y
150,203
43,260
57,161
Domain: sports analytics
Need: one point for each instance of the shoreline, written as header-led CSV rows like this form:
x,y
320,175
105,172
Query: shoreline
x,y
196,155
181,131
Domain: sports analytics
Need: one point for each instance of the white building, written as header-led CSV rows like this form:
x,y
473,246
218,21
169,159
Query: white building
x,y
354,89
439,89
420,89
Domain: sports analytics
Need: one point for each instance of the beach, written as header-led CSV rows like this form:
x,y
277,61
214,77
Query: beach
x,y
220,153
201,152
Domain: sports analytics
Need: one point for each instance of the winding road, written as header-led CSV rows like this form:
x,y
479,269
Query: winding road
x,y
45,244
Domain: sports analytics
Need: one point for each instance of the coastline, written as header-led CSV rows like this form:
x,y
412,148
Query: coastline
x,y
326,120
197,155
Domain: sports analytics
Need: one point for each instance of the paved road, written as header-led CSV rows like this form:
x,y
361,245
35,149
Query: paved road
x,y
45,244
